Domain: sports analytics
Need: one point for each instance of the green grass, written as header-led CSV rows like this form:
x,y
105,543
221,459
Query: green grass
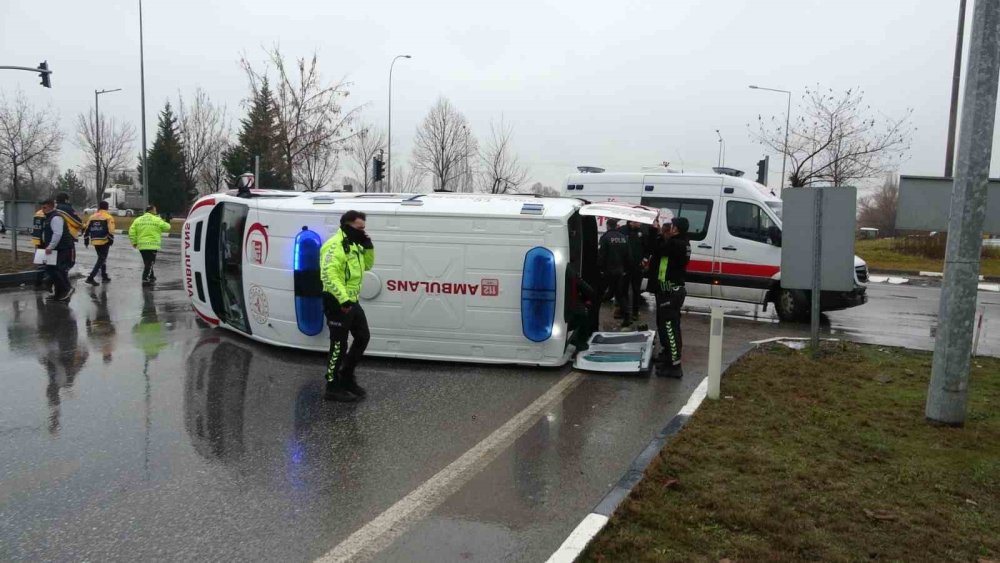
x,y
880,256
819,460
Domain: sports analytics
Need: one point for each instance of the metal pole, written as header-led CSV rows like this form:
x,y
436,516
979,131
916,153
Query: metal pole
x,y
720,147
956,78
947,395
97,151
142,89
784,154
388,161
817,266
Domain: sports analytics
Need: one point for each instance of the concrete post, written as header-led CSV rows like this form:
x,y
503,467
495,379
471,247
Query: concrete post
x,y
947,395
715,354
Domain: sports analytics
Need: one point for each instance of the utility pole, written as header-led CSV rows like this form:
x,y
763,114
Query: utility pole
x,y
388,183
142,89
947,395
956,77
97,142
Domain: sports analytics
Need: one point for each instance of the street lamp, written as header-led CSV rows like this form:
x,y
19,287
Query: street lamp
x,y
97,141
388,177
722,148
788,114
142,90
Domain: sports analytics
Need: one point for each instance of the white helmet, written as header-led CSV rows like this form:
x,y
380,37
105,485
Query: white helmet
x,y
245,181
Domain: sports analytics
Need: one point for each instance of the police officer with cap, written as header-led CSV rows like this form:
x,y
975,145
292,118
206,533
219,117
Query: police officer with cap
x,y
667,270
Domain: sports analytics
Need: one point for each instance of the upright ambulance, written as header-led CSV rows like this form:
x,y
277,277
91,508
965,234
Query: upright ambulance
x,y
472,278
735,235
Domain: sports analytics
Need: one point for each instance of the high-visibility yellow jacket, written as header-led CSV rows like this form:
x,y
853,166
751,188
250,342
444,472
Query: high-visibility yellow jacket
x,y
146,232
341,265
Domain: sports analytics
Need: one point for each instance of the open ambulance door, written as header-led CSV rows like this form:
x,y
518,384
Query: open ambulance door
x,y
614,352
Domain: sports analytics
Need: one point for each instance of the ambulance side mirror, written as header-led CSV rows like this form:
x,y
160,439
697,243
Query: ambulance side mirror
x,y
774,235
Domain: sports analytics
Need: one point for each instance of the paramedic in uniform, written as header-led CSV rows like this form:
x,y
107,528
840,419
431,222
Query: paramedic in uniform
x,y
99,231
343,261
60,250
667,270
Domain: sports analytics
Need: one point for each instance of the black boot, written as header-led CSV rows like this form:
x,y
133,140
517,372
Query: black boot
x,y
91,281
335,392
351,382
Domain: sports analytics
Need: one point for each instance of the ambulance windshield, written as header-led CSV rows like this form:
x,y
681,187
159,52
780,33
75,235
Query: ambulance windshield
x,y
224,263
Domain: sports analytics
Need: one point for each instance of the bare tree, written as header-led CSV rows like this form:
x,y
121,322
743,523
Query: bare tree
x,y
502,172
117,145
547,191
27,135
879,209
317,167
205,132
369,142
407,179
443,144
312,121
837,139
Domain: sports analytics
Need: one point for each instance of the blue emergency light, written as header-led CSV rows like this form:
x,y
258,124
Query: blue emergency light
x,y
538,294
308,285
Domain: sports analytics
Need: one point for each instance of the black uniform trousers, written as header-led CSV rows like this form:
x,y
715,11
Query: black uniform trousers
x,y
101,266
668,322
617,286
148,260
59,272
343,361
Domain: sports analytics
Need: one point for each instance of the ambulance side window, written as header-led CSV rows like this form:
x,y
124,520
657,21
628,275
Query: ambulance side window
x,y
748,221
698,212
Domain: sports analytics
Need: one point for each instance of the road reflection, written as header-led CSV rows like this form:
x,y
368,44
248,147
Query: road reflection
x,y
60,354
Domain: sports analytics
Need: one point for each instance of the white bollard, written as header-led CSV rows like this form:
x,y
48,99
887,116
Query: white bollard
x,y
715,354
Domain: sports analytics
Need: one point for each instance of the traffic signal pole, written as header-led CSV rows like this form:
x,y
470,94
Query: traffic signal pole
x,y
947,395
42,69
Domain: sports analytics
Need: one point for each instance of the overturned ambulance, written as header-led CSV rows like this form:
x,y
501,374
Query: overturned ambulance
x,y
457,277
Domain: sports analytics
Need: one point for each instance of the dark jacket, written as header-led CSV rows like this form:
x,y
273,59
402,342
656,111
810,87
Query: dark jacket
x,y
668,266
65,242
636,246
614,255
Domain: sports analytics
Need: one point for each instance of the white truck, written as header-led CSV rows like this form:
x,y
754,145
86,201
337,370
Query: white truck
x,y
123,200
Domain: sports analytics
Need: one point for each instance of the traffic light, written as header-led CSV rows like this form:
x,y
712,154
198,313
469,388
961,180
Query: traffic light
x,y
762,170
43,67
379,169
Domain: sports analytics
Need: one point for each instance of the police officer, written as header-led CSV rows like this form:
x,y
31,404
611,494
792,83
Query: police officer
x,y
637,263
99,230
60,250
667,270
343,261
613,260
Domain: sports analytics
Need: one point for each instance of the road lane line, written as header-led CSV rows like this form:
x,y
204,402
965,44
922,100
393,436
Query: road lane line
x,y
381,531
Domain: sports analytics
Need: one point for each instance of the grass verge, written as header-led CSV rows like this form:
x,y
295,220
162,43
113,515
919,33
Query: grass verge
x,y
821,460
123,223
23,263
880,256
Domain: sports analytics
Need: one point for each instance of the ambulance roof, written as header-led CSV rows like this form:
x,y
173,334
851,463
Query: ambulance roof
x,y
432,203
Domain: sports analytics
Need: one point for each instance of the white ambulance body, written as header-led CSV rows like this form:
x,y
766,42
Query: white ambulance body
x,y
456,277
735,235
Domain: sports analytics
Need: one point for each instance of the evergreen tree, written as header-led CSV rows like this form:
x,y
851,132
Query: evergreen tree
x,y
167,189
123,178
260,136
70,183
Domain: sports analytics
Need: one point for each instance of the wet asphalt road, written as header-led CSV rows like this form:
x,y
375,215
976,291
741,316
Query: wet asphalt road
x,y
128,431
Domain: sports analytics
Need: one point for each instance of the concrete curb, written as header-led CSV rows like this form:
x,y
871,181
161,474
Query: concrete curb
x,y
923,274
594,522
17,279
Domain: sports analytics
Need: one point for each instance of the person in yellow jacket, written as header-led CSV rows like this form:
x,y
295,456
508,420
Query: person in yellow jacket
x,y
146,234
100,231
37,227
343,261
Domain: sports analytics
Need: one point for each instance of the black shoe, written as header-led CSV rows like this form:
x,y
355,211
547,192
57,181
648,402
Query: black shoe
x,y
351,382
105,279
65,298
335,392
91,281
674,372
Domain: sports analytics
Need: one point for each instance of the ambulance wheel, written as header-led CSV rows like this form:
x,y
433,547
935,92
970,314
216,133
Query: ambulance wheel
x,y
792,305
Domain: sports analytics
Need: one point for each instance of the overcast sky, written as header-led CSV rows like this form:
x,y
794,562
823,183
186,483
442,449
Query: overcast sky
x,y
618,84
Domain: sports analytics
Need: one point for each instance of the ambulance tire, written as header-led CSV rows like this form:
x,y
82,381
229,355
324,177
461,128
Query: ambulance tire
x,y
792,305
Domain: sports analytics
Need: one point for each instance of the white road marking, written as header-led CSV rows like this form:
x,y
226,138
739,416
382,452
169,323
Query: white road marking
x,y
593,523
381,531
578,540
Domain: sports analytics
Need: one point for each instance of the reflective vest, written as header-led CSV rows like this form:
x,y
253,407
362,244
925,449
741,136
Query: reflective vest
x,y
100,228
